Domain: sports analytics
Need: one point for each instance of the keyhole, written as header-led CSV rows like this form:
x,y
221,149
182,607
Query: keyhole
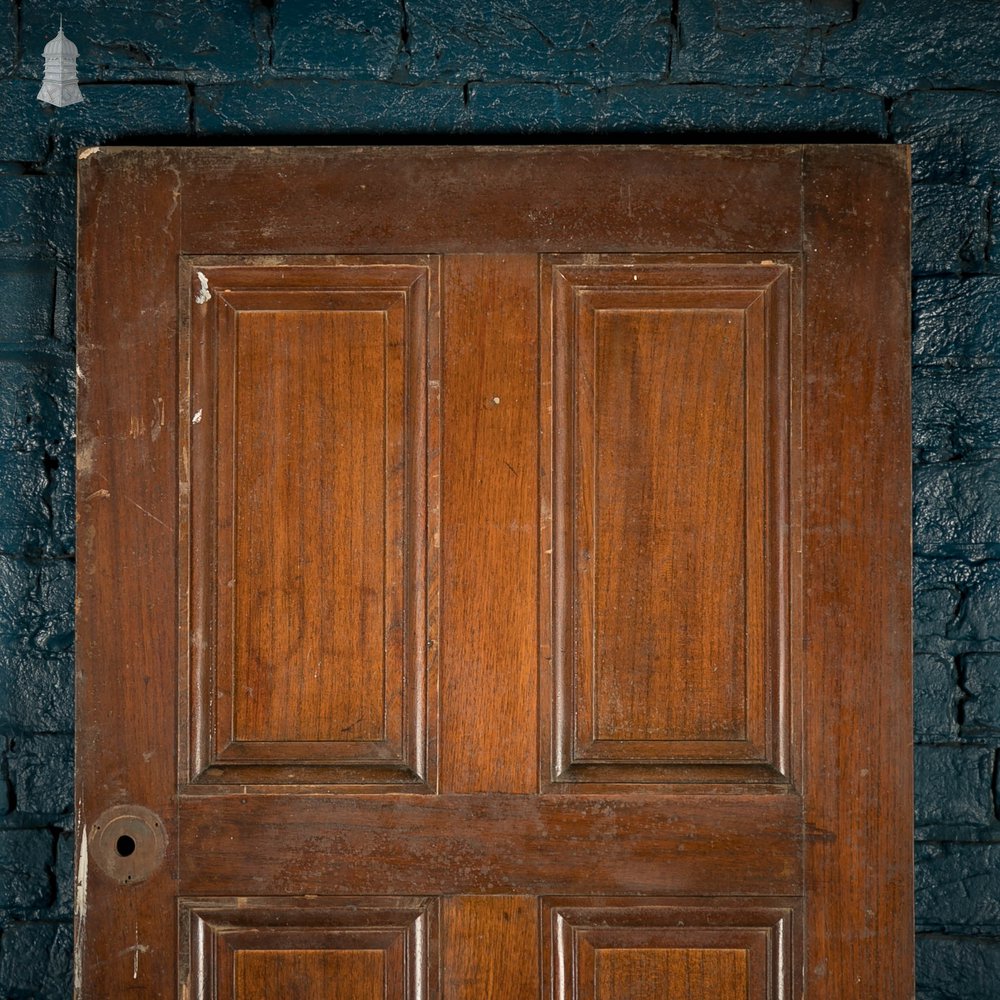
x,y
125,846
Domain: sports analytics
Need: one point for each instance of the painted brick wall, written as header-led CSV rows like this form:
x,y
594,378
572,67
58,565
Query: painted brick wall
x,y
920,71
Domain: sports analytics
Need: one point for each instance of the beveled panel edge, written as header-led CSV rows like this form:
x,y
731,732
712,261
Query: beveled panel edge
x,y
773,765
205,923
772,924
411,765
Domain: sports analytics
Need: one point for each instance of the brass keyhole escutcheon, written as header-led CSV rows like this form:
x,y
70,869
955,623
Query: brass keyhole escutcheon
x,y
128,843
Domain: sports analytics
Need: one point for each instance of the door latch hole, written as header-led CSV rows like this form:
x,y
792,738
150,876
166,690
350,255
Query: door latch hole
x,y
128,842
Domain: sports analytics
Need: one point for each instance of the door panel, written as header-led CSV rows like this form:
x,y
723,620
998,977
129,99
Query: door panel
x,y
698,950
309,568
670,433
258,949
484,574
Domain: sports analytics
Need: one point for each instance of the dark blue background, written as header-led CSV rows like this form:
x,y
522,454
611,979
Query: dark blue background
x,y
925,72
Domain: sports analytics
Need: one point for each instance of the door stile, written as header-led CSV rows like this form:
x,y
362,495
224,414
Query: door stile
x,y
856,574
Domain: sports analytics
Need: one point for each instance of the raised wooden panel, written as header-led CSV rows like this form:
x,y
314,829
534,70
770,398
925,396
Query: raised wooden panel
x,y
308,413
310,949
678,973
312,975
684,949
667,446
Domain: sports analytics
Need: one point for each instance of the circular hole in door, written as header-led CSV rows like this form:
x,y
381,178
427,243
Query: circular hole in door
x,y
125,846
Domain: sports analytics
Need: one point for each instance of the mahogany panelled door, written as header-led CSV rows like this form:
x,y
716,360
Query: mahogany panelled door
x,y
494,574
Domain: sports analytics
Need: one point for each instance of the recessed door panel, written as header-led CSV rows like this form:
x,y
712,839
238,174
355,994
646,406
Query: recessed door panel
x,y
649,949
316,949
307,404
668,449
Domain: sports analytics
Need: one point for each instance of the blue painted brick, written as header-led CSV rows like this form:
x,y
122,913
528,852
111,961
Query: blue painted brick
x,y
981,707
108,113
26,138
64,307
61,498
8,36
24,517
37,216
957,886
949,228
954,136
956,508
955,414
36,690
36,400
36,634
65,857
115,114
993,238
898,45
957,321
38,768
36,960
952,785
750,15
25,856
324,107
27,291
586,41
705,54
147,39
752,110
955,600
36,606
957,968
315,39
935,697
511,108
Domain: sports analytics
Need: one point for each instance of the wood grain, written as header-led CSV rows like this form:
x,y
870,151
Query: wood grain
x,y
669,504
497,843
784,836
126,638
319,455
856,565
264,947
311,975
678,973
514,199
665,484
310,572
490,947
650,948
489,661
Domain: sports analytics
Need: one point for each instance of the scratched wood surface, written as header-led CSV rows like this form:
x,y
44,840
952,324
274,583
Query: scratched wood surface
x,y
484,585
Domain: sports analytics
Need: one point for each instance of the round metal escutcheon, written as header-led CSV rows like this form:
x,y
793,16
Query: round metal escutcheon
x,y
127,843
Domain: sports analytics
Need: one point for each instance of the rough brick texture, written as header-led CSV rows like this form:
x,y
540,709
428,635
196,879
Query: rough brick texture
x,y
916,71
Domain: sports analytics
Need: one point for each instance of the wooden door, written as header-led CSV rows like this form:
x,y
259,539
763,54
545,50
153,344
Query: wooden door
x,y
494,574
